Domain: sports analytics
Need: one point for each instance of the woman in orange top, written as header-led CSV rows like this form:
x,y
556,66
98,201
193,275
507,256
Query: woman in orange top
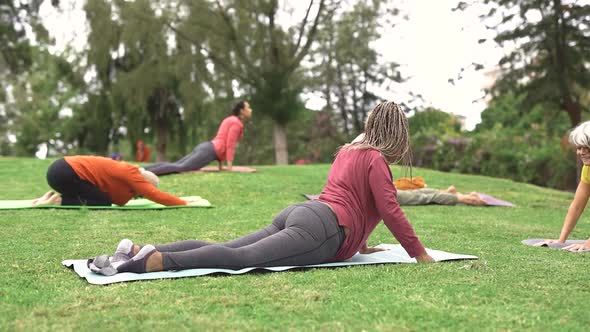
x,y
99,181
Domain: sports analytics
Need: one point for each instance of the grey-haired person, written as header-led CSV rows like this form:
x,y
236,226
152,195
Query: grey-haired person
x,y
580,138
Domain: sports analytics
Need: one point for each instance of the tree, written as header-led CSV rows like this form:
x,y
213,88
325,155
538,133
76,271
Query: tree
x,y
15,16
349,70
430,130
245,40
145,79
46,97
549,63
16,56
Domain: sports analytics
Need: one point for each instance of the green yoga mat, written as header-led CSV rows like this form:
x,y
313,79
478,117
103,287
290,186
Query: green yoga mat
x,y
134,204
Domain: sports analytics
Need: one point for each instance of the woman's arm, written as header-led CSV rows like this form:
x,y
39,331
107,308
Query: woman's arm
x,y
144,188
573,214
233,137
575,210
385,196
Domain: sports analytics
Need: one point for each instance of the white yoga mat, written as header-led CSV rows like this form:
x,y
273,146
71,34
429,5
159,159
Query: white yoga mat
x,y
394,254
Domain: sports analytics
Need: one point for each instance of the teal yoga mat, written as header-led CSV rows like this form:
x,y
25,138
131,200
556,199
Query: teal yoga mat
x,y
134,204
394,253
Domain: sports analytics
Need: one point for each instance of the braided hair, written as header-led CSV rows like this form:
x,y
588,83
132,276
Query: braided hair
x,y
387,131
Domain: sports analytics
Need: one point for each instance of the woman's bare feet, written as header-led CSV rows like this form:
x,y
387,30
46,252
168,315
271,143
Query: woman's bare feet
x,y
42,198
54,199
471,199
50,198
451,190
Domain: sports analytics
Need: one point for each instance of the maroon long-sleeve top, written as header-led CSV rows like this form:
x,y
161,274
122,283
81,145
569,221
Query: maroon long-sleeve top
x,y
360,190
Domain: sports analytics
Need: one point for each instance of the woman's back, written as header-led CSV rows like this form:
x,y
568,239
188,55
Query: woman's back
x,y
360,191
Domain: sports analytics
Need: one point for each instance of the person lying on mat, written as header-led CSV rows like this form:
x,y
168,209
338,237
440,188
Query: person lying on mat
x,y
100,181
221,148
358,194
425,196
580,137
449,196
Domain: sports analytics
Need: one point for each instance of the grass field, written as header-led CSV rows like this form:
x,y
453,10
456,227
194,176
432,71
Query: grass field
x,y
511,287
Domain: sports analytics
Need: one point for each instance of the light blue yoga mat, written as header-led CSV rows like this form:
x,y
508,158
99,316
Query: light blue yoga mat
x,y
395,253
134,204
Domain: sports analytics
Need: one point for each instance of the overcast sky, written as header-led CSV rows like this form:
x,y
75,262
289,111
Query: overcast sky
x,y
432,46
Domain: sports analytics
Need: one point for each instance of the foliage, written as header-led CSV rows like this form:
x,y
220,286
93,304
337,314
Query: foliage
x,y
431,130
42,100
348,69
15,47
314,139
549,52
529,149
19,23
168,72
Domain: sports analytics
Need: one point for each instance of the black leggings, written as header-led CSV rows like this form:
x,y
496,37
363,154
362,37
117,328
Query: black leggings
x,y
74,191
302,234
202,155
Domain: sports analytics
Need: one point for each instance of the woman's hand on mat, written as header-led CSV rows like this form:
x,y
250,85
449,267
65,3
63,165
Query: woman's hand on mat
x,y
424,258
370,250
547,242
578,247
192,201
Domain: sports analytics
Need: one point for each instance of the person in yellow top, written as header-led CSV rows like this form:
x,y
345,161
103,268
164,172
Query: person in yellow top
x,y
580,137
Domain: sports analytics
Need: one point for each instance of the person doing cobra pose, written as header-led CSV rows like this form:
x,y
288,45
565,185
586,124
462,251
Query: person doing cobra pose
x,y
358,194
221,148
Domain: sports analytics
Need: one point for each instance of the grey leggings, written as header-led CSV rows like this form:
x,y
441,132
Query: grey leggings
x,y
202,155
425,196
302,234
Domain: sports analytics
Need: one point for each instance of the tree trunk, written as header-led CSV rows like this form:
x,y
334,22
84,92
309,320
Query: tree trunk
x,y
573,109
355,108
162,126
280,140
568,100
162,135
342,99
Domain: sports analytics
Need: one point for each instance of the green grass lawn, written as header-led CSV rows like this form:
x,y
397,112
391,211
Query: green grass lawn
x,y
511,287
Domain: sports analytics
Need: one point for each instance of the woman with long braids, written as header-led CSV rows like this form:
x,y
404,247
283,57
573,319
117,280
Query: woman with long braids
x,y
359,193
221,148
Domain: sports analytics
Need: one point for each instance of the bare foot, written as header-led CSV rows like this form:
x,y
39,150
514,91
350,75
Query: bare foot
x,y
42,198
54,199
471,199
451,190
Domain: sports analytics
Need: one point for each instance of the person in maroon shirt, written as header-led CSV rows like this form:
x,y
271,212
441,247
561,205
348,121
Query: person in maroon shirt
x,y
359,193
221,148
